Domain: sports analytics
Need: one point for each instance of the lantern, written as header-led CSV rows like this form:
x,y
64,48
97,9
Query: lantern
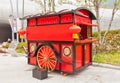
x,y
21,32
75,30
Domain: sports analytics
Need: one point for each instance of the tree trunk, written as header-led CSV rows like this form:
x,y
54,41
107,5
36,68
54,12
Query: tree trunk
x,y
44,6
96,4
49,5
53,5
109,26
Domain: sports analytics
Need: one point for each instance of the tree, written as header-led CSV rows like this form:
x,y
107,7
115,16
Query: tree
x,y
46,5
96,4
51,5
42,4
115,9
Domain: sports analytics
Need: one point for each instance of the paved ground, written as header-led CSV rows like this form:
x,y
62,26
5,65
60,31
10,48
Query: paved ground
x,y
16,70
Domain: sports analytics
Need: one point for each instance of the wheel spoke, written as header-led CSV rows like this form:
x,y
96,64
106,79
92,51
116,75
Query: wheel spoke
x,y
40,53
51,63
41,63
48,51
44,49
40,57
52,57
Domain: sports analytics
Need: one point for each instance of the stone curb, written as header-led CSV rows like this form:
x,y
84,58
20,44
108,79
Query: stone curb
x,y
106,66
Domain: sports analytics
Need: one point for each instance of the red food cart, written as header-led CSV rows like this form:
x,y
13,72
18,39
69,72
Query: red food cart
x,y
61,41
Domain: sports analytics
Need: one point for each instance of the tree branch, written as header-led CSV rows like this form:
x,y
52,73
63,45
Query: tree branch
x,y
110,23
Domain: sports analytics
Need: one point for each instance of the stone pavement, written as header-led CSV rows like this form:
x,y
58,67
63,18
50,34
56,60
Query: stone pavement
x,y
16,70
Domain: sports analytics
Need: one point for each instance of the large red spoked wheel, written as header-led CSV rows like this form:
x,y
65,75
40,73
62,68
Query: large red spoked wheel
x,y
46,58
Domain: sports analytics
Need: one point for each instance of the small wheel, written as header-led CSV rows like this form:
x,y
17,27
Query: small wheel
x,y
46,58
64,74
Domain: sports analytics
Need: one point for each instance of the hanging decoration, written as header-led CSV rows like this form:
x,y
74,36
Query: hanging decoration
x,y
21,32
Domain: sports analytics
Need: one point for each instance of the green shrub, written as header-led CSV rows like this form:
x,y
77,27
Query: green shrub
x,y
110,58
22,44
19,48
6,46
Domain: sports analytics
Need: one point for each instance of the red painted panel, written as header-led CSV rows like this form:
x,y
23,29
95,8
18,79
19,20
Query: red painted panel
x,y
47,20
57,66
67,68
66,58
81,20
33,59
65,18
79,56
51,32
88,54
69,59
31,21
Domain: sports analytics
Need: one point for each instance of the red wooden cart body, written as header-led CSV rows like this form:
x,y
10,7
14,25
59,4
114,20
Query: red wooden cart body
x,y
54,29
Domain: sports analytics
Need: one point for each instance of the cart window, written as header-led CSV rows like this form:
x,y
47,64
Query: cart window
x,y
31,22
66,18
47,20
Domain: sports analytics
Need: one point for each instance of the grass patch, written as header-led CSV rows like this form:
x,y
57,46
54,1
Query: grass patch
x,y
19,48
108,58
6,46
20,51
95,34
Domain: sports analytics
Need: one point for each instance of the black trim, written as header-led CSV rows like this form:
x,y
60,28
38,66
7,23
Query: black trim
x,y
28,53
34,54
58,42
91,47
67,23
74,57
91,53
60,51
73,18
83,59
